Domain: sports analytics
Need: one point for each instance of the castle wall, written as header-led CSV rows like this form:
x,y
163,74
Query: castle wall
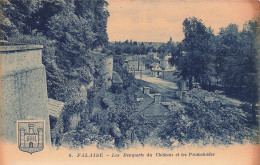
x,y
107,71
23,88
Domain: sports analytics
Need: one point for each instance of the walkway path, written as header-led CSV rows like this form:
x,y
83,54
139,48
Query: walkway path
x,y
166,88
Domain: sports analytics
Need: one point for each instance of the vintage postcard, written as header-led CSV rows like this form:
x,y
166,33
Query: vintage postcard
x,y
129,82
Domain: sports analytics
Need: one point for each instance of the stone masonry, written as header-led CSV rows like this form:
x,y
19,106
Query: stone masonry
x,y
23,90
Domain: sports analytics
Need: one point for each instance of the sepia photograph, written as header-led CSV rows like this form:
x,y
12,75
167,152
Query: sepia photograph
x,y
129,82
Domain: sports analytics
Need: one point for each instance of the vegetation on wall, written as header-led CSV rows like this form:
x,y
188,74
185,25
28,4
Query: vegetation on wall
x,y
68,29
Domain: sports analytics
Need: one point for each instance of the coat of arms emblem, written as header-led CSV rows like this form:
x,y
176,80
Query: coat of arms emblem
x,y
30,136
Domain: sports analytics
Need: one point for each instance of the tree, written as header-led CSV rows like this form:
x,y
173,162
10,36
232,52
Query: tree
x,y
28,16
237,61
94,11
197,44
74,37
176,54
250,48
227,53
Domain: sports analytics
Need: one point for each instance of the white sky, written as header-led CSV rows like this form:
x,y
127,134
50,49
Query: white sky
x,y
157,20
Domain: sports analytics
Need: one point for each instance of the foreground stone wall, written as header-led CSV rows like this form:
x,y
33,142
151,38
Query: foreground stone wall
x,y
23,88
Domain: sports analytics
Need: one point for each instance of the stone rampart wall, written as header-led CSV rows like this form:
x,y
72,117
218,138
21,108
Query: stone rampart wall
x,y
23,89
107,71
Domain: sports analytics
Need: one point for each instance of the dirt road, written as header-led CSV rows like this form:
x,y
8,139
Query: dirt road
x,y
158,85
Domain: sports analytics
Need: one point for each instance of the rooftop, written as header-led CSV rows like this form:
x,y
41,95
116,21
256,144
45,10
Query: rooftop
x,y
147,105
55,107
116,78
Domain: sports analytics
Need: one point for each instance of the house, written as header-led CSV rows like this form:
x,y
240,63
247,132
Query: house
x,y
156,70
150,105
134,63
201,98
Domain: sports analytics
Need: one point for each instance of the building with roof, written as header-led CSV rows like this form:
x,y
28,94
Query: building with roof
x,y
156,70
134,63
56,124
116,79
150,105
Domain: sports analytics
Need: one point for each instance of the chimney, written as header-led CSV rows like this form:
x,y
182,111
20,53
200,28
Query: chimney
x,y
146,90
157,98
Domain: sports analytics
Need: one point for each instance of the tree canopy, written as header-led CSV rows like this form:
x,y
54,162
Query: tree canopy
x,y
229,59
197,50
68,29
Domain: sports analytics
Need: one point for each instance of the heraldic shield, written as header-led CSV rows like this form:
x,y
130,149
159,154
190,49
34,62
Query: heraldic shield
x,y
30,135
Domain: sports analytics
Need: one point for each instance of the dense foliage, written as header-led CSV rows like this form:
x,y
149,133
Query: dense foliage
x,y
202,125
108,120
226,61
68,29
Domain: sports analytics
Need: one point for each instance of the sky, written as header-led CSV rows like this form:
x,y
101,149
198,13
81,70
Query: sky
x,y
158,20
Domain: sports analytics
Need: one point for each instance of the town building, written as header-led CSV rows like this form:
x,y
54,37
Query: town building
x,y
150,105
135,63
156,70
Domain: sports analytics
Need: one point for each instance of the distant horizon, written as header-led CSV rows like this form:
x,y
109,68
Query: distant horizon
x,y
158,20
140,41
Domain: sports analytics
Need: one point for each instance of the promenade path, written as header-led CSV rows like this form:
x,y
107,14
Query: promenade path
x,y
158,85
